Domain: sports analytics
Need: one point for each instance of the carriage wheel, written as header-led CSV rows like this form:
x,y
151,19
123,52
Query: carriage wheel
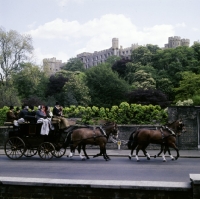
x,y
30,152
14,148
59,151
46,150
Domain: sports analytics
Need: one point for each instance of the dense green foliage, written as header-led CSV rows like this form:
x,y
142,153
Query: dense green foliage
x,y
123,114
173,73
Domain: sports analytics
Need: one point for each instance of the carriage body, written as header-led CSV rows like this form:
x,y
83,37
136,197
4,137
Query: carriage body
x,y
26,140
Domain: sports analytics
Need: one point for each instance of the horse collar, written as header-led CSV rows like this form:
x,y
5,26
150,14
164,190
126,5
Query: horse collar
x,y
169,130
103,132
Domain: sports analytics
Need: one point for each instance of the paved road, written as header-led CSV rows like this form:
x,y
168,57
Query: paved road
x,y
118,168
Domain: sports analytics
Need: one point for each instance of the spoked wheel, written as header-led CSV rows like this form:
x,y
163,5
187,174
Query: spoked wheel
x,y
46,150
59,151
14,148
30,152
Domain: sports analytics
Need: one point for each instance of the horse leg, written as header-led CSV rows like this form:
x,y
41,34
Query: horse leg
x,y
177,150
163,154
131,153
108,158
161,150
170,155
145,152
79,151
72,149
136,156
84,151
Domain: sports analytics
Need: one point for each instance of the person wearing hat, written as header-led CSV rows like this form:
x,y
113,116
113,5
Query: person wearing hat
x,y
10,116
57,115
24,112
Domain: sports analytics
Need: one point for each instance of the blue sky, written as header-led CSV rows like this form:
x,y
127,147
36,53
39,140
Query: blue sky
x,y
64,28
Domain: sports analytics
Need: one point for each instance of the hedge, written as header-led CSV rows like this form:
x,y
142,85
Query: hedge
x,y
123,114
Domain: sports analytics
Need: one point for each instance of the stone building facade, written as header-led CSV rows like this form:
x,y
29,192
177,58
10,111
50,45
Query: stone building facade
x,y
176,41
98,57
51,65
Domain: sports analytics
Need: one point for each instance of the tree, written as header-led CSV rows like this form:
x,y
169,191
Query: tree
x,y
14,50
189,86
120,66
166,86
112,59
9,96
141,54
146,97
30,81
56,83
76,92
143,80
106,88
74,64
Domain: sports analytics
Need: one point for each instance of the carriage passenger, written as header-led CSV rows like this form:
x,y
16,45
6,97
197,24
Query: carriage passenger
x,y
32,111
23,112
10,116
48,112
57,114
40,113
41,116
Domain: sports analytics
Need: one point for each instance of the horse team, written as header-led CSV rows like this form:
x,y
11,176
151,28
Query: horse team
x,y
138,140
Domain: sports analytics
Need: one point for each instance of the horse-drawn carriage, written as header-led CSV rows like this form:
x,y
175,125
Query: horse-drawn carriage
x,y
26,140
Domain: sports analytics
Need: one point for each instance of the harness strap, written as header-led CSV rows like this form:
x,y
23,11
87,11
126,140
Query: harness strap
x,y
162,133
170,130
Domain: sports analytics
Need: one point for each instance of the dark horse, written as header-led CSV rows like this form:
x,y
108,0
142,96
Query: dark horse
x,y
165,136
97,136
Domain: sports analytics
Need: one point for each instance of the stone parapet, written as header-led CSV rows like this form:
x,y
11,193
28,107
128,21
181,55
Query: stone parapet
x,y
98,189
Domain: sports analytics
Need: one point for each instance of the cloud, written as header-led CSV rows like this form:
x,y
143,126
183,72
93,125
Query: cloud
x,y
97,34
195,29
182,25
38,56
62,3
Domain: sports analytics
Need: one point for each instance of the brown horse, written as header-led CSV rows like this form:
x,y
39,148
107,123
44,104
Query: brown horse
x,y
98,136
165,136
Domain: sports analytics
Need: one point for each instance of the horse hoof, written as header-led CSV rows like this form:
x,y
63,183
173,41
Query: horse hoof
x,y
155,156
83,159
172,159
164,161
129,157
148,158
88,158
138,160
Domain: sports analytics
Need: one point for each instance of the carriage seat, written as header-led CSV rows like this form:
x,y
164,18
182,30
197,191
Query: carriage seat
x,y
30,119
8,123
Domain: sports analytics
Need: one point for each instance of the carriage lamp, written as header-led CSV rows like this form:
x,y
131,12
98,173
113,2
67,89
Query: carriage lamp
x,y
119,144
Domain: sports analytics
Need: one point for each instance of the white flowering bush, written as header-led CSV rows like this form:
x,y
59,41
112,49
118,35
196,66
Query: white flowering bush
x,y
188,102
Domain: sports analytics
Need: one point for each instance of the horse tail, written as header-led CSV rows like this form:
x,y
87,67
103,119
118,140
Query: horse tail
x,y
132,142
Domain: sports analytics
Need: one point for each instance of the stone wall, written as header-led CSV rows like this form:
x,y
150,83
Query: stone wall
x,y
190,116
28,188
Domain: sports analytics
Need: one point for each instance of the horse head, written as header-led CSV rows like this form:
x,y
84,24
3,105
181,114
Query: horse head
x,y
178,127
111,128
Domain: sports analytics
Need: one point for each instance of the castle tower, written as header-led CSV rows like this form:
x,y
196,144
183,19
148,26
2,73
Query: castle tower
x,y
115,45
174,42
185,42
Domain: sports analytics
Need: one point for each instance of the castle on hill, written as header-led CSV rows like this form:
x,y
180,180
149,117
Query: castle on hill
x,y
51,65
